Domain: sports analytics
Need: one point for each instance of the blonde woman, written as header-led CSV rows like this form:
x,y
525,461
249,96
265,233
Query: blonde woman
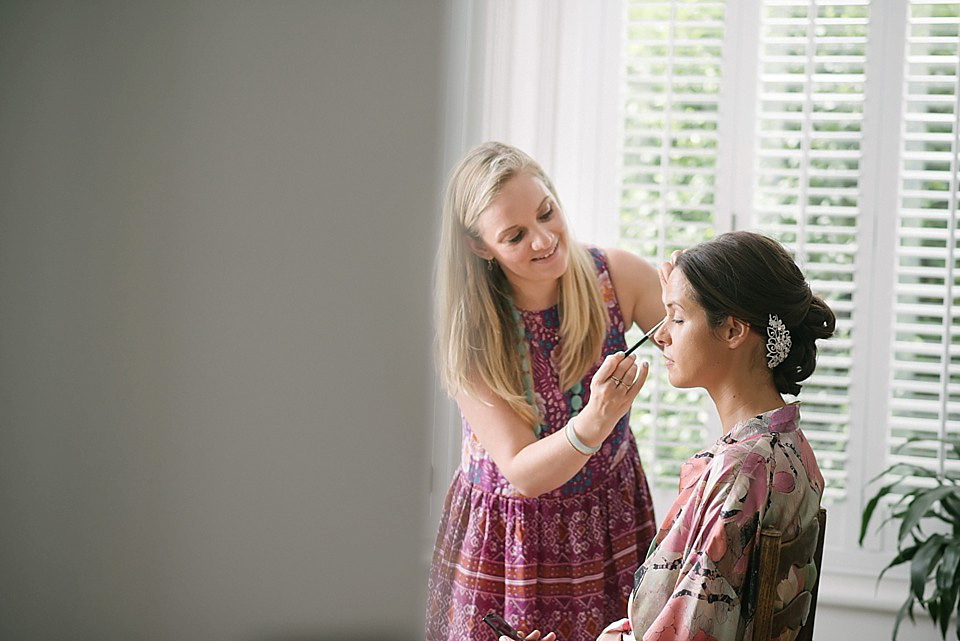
x,y
549,513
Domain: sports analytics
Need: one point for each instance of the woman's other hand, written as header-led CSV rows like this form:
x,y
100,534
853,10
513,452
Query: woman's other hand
x,y
617,631
666,268
533,636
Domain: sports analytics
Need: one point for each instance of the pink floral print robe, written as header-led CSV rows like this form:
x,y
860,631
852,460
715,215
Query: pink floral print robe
x,y
697,581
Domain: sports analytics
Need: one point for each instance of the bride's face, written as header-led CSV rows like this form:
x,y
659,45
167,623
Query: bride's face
x,y
693,352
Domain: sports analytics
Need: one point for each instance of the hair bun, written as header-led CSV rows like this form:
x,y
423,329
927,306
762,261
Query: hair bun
x,y
820,321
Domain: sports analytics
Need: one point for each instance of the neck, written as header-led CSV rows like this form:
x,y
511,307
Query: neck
x,y
740,398
535,297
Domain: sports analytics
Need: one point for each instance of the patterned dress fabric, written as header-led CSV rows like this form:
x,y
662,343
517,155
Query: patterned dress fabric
x,y
564,560
697,582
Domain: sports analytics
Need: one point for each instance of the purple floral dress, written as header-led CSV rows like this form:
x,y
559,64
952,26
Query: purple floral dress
x,y
564,560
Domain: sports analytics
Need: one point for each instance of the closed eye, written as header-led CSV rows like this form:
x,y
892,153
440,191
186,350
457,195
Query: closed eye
x,y
547,215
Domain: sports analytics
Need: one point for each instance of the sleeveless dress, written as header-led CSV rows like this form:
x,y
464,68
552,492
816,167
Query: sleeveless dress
x,y
562,561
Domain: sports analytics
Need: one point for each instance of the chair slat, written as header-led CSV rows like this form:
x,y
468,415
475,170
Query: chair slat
x,y
773,553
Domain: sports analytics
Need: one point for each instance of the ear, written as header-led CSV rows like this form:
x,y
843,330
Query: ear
x,y
734,332
477,246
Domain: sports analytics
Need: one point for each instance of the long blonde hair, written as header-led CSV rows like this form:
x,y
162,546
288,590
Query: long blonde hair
x,y
477,336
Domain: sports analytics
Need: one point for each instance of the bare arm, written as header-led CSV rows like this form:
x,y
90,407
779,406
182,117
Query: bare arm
x,y
533,465
637,286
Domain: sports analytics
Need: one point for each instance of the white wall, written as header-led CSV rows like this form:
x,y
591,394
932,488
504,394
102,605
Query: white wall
x,y
217,225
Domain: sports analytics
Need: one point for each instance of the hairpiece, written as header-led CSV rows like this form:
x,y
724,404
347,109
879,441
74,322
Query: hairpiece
x,y
778,341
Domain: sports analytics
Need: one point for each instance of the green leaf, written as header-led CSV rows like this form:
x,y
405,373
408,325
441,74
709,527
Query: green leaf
x,y
948,583
923,563
905,470
933,607
942,517
902,557
871,506
951,503
912,495
912,439
946,603
906,608
958,621
947,570
920,506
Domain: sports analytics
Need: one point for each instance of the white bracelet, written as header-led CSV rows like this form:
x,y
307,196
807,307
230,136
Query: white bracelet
x,y
575,441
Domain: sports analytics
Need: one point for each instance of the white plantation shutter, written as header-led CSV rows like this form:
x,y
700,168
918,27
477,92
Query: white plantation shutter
x,y
807,185
668,198
800,124
804,143
831,126
925,364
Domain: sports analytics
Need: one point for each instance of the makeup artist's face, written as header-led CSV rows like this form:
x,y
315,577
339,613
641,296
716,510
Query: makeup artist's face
x,y
693,352
524,231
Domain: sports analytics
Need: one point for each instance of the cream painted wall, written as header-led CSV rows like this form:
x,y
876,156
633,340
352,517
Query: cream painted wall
x,y
217,224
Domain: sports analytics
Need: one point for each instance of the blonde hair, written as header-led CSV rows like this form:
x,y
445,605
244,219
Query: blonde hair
x,y
477,336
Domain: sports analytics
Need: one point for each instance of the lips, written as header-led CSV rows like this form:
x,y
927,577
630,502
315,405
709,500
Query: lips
x,y
552,252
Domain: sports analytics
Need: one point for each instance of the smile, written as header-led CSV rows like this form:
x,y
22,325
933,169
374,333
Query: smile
x,y
552,251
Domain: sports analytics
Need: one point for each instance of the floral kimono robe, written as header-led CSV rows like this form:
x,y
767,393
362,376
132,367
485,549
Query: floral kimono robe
x,y
697,580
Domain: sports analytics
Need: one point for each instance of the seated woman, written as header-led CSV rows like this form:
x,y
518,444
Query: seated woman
x,y
742,323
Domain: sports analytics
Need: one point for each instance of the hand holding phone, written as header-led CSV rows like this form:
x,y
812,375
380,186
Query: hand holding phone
x,y
501,627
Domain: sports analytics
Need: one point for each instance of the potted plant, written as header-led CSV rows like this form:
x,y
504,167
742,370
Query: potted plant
x,y
934,556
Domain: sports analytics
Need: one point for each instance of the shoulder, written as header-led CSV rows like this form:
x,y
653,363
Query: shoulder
x,y
622,261
714,473
637,287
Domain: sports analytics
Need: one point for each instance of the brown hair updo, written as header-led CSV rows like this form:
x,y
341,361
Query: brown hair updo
x,y
749,276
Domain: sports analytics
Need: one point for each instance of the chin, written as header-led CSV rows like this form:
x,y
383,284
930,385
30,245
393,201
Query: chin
x,y
678,381
563,262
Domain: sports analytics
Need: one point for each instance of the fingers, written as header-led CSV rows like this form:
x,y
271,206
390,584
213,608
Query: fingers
x,y
666,268
608,367
625,372
621,375
641,378
664,271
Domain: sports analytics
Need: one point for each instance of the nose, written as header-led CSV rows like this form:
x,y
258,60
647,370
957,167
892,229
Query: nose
x,y
662,336
541,238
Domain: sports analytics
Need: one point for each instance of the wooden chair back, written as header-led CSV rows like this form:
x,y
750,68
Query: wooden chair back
x,y
774,562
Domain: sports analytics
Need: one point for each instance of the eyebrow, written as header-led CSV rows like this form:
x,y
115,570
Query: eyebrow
x,y
674,304
505,232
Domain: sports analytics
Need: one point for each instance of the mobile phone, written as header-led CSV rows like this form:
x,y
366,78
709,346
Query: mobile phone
x,y
501,627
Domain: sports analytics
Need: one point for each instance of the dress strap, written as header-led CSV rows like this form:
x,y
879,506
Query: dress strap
x,y
607,291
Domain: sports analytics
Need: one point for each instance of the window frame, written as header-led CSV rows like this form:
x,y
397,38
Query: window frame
x,y
530,78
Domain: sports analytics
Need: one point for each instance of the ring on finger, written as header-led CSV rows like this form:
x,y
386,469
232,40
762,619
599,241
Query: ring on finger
x,y
616,380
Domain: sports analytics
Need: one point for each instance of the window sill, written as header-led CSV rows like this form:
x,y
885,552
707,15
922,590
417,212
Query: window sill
x,y
846,590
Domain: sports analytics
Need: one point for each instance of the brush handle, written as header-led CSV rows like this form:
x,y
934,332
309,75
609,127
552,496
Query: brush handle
x,y
646,336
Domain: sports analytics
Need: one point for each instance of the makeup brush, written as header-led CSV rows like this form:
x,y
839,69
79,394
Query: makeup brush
x,y
646,336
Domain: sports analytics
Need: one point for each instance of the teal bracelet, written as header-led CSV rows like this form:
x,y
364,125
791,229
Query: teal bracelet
x,y
575,441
